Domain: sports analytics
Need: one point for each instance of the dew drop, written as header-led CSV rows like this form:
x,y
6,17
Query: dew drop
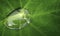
x,y
18,19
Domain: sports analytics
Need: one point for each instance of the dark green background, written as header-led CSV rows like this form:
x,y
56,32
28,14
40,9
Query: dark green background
x,y
44,15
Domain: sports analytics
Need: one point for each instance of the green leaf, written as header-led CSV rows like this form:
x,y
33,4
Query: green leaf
x,y
44,15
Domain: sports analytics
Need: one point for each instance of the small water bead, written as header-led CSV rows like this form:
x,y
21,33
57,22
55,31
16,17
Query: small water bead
x,y
18,19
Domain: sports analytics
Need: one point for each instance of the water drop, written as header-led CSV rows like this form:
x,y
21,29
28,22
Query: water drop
x,y
18,19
